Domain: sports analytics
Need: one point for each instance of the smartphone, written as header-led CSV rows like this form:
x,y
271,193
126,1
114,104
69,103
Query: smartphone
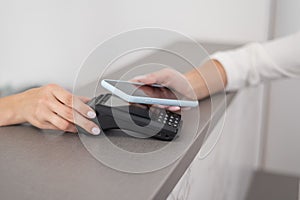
x,y
147,94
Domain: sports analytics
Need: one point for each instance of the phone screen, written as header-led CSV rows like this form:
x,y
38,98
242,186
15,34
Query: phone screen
x,y
141,90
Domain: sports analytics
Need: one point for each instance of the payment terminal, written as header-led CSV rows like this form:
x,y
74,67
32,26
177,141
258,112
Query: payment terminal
x,y
114,113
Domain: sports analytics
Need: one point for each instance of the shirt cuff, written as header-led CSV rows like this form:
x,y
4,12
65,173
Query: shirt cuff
x,y
248,65
229,66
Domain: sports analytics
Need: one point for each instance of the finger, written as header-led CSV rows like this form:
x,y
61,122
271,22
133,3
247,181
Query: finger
x,y
44,125
138,78
47,125
160,106
173,108
65,111
170,108
84,99
147,79
63,96
59,122
162,77
86,124
61,109
47,122
72,129
69,114
74,102
41,119
83,108
149,91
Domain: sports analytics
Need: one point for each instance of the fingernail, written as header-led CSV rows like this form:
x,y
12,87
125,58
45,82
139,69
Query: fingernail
x,y
95,131
91,114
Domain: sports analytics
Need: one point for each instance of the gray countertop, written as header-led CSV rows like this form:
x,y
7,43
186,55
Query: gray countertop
x,y
39,164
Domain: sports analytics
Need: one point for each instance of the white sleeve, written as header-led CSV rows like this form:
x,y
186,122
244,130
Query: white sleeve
x,y
255,62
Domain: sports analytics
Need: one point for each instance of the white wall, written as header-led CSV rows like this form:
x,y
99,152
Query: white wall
x,y
46,40
226,173
282,147
283,134
287,17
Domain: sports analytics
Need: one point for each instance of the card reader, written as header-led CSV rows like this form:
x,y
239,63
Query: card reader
x,y
166,124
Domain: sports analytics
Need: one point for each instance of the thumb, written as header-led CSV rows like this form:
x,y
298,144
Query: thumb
x,y
146,79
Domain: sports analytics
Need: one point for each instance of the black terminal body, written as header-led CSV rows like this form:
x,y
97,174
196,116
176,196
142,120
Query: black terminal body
x,y
164,122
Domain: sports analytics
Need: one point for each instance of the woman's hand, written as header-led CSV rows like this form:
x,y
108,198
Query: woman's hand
x,y
198,83
168,77
49,107
171,79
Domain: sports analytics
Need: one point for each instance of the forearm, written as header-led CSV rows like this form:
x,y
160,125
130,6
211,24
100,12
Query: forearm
x,y
256,62
207,79
9,110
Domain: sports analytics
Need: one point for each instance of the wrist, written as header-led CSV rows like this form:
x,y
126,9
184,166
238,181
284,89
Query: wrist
x,y
207,79
10,110
197,83
222,72
18,108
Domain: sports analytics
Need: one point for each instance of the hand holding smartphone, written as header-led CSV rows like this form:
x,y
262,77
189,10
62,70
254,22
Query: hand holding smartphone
x,y
147,94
